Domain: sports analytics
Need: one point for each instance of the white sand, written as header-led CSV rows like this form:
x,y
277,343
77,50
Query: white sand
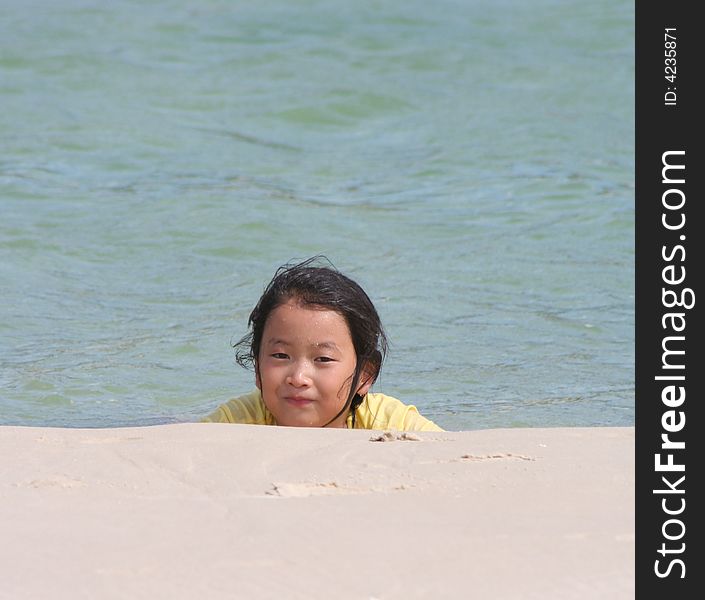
x,y
206,511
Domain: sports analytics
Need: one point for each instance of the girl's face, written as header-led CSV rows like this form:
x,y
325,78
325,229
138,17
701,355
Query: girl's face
x,y
305,365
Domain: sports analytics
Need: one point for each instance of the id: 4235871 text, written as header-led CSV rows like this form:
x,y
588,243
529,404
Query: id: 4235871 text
x,y
669,44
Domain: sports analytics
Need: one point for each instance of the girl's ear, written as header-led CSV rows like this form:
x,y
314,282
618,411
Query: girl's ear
x,y
366,380
258,381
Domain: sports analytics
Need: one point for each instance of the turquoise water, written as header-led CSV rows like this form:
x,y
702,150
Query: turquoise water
x,y
471,164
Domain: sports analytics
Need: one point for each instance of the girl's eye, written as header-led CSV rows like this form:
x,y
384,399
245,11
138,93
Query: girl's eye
x,y
279,355
324,359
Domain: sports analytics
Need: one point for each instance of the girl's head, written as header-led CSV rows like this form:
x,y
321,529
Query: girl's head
x,y
316,343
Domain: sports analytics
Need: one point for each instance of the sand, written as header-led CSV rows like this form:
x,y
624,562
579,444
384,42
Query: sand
x,y
210,511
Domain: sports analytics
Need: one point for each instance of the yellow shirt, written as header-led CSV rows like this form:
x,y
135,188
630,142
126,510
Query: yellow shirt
x,y
377,411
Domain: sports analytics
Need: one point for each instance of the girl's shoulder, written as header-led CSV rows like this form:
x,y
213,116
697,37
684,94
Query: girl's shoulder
x,y
379,411
248,409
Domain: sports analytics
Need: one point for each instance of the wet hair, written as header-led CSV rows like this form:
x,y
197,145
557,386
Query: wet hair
x,y
316,283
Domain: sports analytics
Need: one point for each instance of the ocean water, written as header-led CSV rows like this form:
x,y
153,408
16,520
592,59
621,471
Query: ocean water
x,y
471,164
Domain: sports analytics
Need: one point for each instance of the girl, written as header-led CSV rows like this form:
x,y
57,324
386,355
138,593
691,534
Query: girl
x,y
317,345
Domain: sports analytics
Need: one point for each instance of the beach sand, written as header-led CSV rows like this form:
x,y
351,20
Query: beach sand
x,y
210,511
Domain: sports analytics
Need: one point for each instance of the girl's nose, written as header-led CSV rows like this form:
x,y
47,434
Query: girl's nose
x,y
299,376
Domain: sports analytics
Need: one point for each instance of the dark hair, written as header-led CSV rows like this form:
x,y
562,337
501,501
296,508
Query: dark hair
x,y
321,285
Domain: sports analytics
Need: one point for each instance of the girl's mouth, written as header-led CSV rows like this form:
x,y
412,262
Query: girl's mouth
x,y
298,401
